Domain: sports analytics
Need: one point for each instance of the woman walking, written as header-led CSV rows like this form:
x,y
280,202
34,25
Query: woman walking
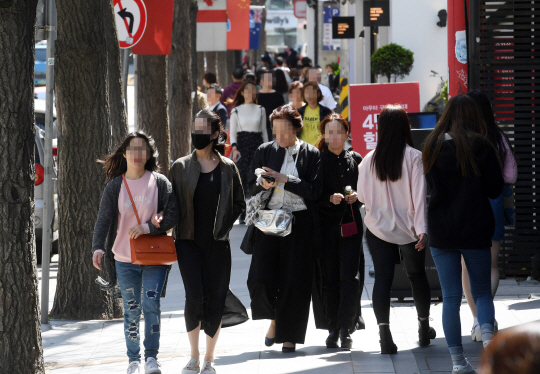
x,y
295,95
280,275
133,169
498,138
462,172
211,198
247,128
341,257
312,113
391,183
270,98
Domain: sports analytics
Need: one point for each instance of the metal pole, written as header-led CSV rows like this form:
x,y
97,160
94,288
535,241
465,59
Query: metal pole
x,y
48,198
136,89
125,71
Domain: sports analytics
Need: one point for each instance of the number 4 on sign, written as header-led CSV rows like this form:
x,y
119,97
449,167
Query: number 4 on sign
x,y
371,121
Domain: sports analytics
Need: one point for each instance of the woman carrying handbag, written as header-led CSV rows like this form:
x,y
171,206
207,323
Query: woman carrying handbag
x,y
280,275
211,198
134,194
341,258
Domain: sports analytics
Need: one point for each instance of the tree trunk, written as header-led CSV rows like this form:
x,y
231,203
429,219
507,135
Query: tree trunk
x,y
223,72
231,62
152,104
118,122
20,330
211,62
200,69
179,80
84,117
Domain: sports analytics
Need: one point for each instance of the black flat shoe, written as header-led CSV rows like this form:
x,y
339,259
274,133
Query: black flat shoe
x,y
345,337
269,341
332,340
288,349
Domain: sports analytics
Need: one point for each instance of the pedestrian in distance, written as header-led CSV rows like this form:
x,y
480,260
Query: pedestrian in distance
x,y
340,257
392,185
247,128
312,113
462,171
209,79
314,75
281,84
230,91
134,182
498,138
213,95
268,97
295,95
281,271
210,197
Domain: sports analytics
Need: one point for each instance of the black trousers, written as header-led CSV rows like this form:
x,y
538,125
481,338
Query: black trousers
x,y
384,256
341,259
206,272
280,279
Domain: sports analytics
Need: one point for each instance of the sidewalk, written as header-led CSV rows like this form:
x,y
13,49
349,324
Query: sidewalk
x,y
73,347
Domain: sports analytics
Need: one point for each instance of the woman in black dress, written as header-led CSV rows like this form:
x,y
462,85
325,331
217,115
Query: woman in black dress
x,y
281,271
211,198
341,259
269,97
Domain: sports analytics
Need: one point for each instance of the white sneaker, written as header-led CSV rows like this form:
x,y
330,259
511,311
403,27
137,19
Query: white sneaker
x,y
476,333
133,367
152,366
464,369
192,367
208,367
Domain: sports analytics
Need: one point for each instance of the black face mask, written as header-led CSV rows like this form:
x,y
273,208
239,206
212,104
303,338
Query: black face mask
x,y
200,141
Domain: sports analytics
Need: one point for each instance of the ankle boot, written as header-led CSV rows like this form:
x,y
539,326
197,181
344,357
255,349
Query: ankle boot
x,y
425,333
345,337
387,344
332,340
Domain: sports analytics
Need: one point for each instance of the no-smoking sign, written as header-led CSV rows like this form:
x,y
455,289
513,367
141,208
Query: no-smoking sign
x,y
131,19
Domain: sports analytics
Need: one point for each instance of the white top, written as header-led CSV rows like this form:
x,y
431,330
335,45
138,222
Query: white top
x,y
248,118
395,211
282,199
328,99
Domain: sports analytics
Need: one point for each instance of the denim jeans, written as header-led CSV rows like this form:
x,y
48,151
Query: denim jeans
x,y
478,262
141,282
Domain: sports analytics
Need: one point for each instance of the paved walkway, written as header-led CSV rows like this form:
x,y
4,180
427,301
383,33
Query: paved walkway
x,y
73,347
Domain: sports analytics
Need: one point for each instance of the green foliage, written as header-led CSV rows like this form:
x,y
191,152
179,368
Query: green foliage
x,y
444,92
392,59
336,68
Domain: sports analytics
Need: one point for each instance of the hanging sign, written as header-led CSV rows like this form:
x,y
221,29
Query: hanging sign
x,y
130,16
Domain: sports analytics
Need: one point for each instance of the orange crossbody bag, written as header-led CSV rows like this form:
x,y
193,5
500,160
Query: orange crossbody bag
x,y
150,249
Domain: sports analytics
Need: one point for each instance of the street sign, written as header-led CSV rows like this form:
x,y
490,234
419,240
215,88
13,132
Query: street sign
x,y
329,43
343,28
300,8
130,16
377,13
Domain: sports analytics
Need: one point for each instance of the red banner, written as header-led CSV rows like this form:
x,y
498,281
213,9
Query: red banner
x,y
157,36
457,48
238,24
366,103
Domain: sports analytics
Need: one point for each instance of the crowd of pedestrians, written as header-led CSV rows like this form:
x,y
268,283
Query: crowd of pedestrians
x,y
293,180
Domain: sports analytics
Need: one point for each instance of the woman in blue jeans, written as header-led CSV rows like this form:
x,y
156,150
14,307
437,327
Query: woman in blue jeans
x,y
462,172
141,285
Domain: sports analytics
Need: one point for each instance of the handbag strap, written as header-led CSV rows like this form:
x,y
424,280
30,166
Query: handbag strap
x,y
352,212
131,198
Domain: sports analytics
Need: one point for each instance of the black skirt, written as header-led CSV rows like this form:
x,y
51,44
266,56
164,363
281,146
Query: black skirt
x,y
247,143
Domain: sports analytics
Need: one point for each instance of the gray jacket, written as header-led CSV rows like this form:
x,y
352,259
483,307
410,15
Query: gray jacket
x,y
107,221
184,176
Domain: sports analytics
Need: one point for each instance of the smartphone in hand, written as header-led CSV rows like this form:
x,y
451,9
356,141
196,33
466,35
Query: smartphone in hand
x,y
268,178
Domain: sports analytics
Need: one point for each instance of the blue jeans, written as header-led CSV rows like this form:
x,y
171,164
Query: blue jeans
x,y
478,262
136,281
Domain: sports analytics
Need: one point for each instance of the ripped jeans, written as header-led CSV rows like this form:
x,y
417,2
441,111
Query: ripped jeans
x,y
141,282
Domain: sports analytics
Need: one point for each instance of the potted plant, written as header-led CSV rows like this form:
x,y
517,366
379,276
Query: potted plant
x,y
392,59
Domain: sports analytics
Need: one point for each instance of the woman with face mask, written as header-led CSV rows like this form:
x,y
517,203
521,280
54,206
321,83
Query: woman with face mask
x,y
247,128
210,198
132,171
280,275
340,257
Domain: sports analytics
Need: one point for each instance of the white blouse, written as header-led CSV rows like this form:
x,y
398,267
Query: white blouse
x,y
282,199
248,118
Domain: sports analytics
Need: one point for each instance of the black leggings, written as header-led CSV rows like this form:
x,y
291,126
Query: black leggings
x,y
384,257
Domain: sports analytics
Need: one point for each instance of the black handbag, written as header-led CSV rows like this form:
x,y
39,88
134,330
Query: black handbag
x,y
248,243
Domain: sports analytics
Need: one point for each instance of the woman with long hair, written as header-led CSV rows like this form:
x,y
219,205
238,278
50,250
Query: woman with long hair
x,y
270,97
391,183
295,95
280,275
247,128
312,112
340,256
462,171
210,197
141,285
498,138
281,85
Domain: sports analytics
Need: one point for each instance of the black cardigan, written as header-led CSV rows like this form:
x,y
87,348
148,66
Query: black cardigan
x,y
459,212
309,183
